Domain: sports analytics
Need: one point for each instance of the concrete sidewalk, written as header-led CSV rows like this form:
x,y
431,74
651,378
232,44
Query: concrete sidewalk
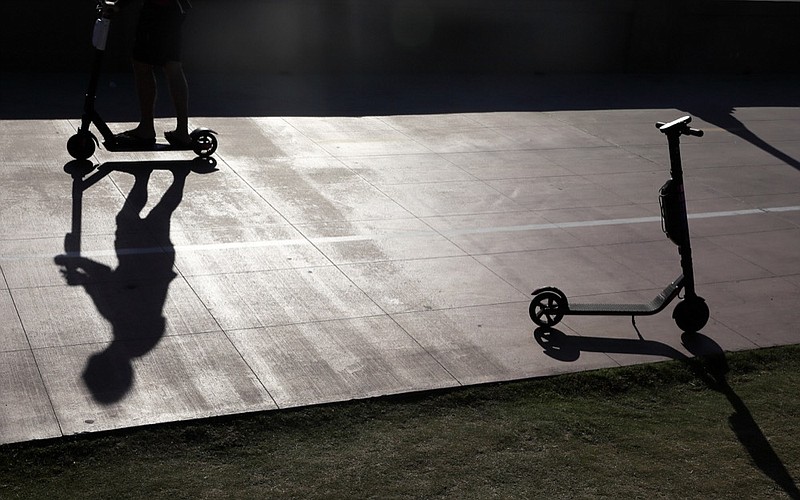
x,y
333,256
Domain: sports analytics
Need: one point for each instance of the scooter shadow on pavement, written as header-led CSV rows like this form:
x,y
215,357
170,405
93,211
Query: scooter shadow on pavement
x,y
131,297
709,364
568,348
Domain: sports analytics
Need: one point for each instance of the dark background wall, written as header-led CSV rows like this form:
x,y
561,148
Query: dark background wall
x,y
408,36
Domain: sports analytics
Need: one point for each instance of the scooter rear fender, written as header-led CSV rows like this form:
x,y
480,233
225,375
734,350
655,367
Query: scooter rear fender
x,y
201,131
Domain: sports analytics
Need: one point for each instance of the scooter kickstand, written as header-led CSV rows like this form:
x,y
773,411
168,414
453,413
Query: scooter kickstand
x,y
633,322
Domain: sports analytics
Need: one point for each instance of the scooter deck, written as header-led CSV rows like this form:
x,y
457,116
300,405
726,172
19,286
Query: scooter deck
x,y
654,306
158,146
206,136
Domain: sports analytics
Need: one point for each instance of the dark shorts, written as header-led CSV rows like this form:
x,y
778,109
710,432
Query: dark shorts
x,y
158,34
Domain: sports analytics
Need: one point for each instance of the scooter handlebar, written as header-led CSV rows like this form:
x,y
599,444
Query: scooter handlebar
x,y
681,125
104,6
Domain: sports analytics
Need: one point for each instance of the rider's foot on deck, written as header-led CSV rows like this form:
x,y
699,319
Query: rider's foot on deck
x,y
178,139
133,139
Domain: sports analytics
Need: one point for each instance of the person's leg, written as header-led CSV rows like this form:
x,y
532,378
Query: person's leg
x,y
146,90
144,57
179,91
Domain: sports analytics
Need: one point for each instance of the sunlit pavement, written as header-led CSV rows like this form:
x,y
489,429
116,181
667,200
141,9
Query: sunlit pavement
x,y
354,239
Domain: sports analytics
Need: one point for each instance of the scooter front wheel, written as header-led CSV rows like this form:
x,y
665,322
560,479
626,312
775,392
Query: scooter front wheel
x,y
547,308
81,146
691,314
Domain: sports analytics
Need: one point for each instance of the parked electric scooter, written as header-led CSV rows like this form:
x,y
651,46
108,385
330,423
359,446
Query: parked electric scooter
x,y
550,305
82,145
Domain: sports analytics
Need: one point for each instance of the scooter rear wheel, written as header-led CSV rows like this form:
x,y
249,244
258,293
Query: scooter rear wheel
x,y
546,308
204,144
81,146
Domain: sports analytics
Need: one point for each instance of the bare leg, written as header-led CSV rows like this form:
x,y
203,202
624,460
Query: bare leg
x,y
179,91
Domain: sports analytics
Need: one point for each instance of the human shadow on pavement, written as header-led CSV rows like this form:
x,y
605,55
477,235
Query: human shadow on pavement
x,y
724,118
130,297
709,364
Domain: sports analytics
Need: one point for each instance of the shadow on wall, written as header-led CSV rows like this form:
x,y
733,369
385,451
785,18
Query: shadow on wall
x,y
130,297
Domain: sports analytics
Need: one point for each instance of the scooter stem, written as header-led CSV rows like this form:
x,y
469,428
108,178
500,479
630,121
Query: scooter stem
x,y
676,172
90,114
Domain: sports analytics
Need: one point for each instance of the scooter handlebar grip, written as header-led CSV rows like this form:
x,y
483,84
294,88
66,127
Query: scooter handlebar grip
x,y
695,132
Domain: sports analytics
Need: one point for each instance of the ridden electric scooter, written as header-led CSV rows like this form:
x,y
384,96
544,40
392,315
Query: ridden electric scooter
x,y
550,305
82,145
